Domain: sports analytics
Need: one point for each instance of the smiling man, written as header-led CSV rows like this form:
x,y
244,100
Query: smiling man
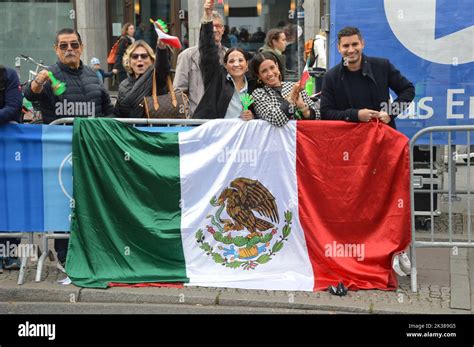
x,y
84,96
357,89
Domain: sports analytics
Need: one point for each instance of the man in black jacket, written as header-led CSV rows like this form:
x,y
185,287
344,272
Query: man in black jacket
x,y
85,96
357,89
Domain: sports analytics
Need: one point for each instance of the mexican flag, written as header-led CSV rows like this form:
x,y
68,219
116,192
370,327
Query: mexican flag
x,y
239,204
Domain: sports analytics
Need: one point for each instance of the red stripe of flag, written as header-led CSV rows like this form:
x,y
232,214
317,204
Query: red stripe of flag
x,y
353,187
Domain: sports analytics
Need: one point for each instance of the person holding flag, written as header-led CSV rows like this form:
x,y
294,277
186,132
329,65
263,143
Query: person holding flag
x,y
277,101
226,88
142,66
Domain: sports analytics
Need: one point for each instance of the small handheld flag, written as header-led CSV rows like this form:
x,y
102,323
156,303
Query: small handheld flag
x,y
305,76
161,30
58,86
246,100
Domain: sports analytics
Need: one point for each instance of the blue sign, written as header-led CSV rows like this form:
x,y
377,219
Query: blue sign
x,y
36,176
431,42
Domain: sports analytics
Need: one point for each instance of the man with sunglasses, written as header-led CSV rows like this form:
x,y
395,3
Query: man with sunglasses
x,y
188,76
85,96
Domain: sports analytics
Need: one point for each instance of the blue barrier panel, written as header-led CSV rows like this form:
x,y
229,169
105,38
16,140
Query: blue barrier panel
x,y
36,176
431,43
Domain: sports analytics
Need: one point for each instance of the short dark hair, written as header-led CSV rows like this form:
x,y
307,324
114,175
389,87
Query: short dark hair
x,y
238,49
348,31
67,31
260,58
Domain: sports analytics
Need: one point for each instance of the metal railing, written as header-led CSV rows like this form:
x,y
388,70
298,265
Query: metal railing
x,y
451,192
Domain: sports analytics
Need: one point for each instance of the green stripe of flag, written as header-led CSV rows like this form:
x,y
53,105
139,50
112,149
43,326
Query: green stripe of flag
x,y
127,217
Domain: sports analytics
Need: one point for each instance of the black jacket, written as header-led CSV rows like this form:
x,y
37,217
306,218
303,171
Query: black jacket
x,y
218,90
10,96
336,97
124,43
83,88
132,91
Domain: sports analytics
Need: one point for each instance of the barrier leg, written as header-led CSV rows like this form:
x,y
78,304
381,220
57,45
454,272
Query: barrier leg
x,y
39,268
413,275
24,262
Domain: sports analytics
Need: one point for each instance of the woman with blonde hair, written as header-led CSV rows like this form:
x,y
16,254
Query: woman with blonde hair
x,y
140,63
125,40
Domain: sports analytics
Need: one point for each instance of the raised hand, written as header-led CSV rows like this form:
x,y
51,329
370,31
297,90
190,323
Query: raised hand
x,y
208,8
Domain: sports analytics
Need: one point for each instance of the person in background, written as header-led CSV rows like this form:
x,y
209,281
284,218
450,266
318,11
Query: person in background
x,y
233,37
127,38
258,36
291,52
275,43
10,112
278,102
101,74
319,50
11,98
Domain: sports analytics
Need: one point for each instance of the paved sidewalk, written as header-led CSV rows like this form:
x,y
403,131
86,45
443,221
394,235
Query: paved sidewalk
x,y
435,295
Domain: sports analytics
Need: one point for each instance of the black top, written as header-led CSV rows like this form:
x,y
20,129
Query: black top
x,y
338,101
132,90
218,89
359,86
83,88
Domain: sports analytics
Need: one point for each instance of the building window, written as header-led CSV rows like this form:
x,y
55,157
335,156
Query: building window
x,y
29,28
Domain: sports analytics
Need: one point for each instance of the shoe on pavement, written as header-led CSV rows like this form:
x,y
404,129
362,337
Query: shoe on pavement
x,y
405,263
396,266
12,264
1,266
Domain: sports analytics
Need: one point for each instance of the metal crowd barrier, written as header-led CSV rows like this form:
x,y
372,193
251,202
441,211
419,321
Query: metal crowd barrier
x,y
134,121
451,192
24,258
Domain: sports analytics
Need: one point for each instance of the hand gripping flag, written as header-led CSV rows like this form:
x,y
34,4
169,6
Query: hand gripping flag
x,y
160,28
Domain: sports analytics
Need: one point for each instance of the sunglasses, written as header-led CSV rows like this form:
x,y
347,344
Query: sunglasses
x,y
74,45
218,26
135,56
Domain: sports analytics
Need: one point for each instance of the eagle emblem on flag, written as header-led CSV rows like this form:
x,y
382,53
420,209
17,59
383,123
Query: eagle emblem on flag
x,y
255,240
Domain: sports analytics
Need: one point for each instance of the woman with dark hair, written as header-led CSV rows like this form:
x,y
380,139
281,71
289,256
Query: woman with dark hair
x,y
140,62
224,85
127,38
277,101
275,42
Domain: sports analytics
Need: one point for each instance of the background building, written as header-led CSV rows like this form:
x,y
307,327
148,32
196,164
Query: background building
x,y
29,27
